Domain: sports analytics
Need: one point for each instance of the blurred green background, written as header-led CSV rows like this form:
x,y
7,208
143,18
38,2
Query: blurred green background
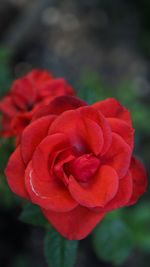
x,y
103,49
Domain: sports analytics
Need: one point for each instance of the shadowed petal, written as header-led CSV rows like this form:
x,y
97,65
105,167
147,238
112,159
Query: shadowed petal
x,y
15,172
59,105
123,195
76,224
111,108
119,155
139,177
123,129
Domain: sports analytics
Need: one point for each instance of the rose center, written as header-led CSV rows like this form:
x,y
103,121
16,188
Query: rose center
x,y
84,167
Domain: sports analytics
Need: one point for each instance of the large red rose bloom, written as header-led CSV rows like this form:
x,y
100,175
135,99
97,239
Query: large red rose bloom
x,y
75,162
26,96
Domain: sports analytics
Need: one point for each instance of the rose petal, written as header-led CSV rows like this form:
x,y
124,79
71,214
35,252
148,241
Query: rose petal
x,y
69,123
7,107
76,224
33,135
15,172
83,168
25,90
39,76
92,134
111,108
20,121
123,129
139,177
118,156
52,194
99,192
56,87
23,93
86,129
59,105
58,164
89,114
123,195
46,152
5,129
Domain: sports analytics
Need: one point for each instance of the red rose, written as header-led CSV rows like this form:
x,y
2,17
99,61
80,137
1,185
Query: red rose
x,y
27,94
76,163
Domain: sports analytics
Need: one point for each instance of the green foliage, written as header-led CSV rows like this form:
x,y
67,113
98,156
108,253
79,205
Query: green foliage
x,y
59,252
122,231
32,214
7,197
112,240
138,219
21,261
5,77
6,146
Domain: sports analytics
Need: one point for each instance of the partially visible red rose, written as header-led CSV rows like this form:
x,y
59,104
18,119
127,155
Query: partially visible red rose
x,y
86,165
26,96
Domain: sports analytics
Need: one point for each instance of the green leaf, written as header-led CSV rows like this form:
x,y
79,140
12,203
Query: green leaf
x,y
5,76
138,220
8,199
21,260
59,252
6,149
112,240
32,214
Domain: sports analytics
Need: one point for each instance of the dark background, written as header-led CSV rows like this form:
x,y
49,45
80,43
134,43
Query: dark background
x,y
103,49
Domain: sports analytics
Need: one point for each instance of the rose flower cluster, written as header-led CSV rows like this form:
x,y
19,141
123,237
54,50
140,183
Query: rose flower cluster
x,y
73,160
26,96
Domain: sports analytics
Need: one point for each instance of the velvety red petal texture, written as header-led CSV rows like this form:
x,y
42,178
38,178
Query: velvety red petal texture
x,y
119,155
7,107
83,168
99,191
15,172
57,86
58,163
45,154
76,224
33,135
20,121
23,93
59,105
89,113
92,133
123,195
69,123
111,108
85,128
139,177
123,129
51,195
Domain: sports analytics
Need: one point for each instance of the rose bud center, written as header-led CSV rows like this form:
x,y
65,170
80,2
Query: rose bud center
x,y
84,167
